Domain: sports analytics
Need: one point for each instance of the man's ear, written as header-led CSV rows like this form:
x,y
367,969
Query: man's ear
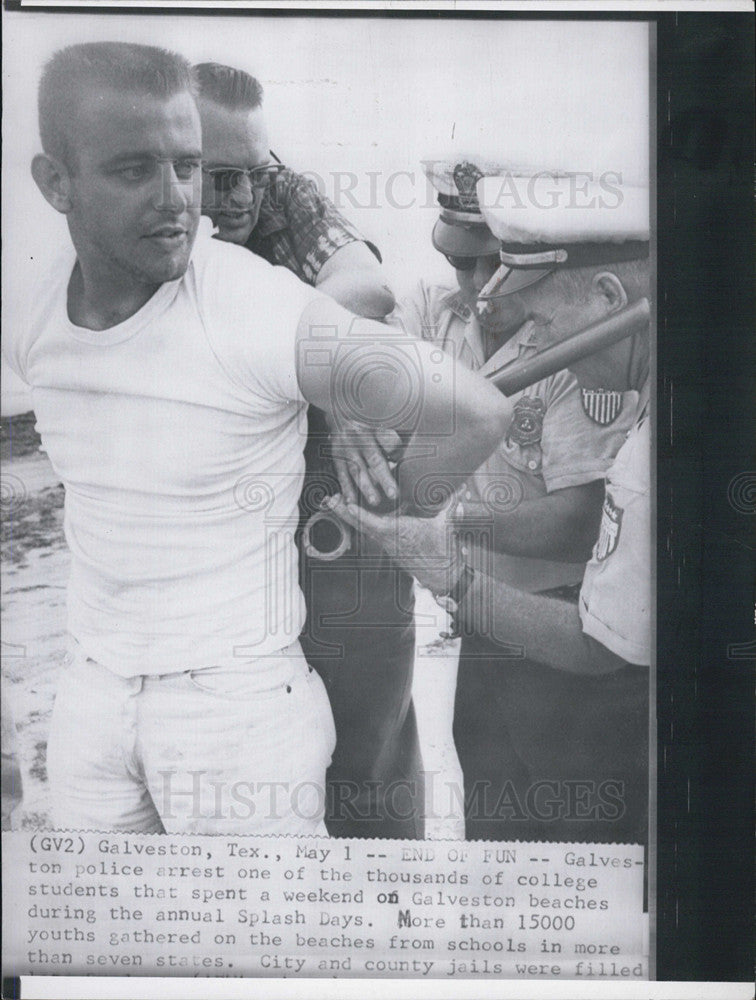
x,y
609,287
53,180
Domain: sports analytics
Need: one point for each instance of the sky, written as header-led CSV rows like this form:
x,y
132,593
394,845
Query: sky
x,y
358,103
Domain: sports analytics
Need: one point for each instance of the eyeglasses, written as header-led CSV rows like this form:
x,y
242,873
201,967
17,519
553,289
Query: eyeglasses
x,y
227,179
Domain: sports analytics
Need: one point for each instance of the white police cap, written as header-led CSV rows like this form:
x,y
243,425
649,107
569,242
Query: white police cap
x,y
461,229
564,219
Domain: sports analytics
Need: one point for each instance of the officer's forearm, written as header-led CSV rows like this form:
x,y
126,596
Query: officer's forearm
x,y
548,630
562,526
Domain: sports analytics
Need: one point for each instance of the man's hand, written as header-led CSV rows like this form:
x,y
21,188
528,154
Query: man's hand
x,y
362,458
362,371
426,548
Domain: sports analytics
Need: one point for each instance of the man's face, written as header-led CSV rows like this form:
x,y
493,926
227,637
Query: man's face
x,y
238,140
504,315
134,186
557,316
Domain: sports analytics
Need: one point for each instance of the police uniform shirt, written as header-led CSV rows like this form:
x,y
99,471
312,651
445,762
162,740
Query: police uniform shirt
x,y
552,442
615,599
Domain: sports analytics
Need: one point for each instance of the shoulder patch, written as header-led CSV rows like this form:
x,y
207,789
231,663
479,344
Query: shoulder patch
x,y
602,406
611,525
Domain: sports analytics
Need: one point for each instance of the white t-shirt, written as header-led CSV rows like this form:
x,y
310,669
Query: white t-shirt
x,y
178,435
615,599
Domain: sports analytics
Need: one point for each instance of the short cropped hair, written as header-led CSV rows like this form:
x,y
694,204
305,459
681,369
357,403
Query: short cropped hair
x,y
231,88
575,282
123,66
575,285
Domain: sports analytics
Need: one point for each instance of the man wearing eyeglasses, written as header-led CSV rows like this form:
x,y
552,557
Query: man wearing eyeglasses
x,y
277,213
530,515
359,634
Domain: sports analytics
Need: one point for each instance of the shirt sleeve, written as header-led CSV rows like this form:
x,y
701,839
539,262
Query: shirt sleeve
x,y
12,357
575,448
316,226
27,313
615,599
251,311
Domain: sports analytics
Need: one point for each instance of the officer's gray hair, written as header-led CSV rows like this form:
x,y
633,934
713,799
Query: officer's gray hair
x,y
121,66
575,283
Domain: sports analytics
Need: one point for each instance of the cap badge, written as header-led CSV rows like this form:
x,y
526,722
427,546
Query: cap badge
x,y
527,421
603,406
466,176
611,523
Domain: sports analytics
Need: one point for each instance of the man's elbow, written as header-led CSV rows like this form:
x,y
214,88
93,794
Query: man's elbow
x,y
362,291
488,421
581,654
373,295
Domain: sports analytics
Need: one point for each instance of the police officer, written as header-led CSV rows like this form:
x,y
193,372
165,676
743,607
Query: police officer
x,y
529,517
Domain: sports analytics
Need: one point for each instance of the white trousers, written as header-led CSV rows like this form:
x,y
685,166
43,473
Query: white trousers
x,y
240,750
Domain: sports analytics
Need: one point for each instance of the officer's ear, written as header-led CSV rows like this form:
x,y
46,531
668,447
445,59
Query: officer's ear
x,y
53,179
611,290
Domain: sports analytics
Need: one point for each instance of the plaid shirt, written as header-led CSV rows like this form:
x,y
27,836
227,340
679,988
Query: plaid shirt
x,y
299,228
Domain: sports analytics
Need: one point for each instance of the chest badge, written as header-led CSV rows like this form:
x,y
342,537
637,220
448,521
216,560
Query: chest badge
x,y
611,524
602,406
527,421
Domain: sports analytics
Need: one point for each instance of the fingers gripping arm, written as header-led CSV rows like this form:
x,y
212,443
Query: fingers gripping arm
x,y
359,370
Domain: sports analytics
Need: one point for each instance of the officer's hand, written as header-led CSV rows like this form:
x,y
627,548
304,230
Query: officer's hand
x,y
426,547
361,456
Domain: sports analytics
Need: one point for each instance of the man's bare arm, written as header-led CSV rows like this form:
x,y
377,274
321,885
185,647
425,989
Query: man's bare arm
x,y
360,370
353,277
549,630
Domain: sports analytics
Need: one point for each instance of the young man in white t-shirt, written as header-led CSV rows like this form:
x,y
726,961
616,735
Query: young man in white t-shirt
x,y
169,383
